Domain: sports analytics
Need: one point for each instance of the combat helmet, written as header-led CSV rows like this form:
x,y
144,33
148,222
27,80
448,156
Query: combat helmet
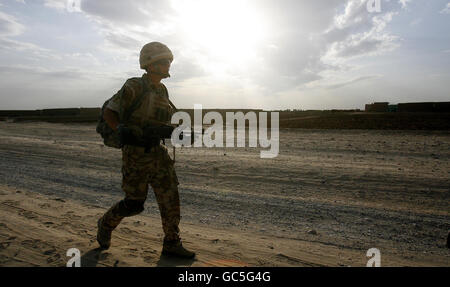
x,y
153,52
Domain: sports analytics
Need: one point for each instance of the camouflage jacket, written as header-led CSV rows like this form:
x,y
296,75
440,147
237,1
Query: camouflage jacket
x,y
154,108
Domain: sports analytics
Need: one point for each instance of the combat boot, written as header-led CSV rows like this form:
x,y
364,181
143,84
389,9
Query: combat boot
x,y
103,235
176,249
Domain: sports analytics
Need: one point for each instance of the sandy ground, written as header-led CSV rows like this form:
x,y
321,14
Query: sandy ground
x,y
326,199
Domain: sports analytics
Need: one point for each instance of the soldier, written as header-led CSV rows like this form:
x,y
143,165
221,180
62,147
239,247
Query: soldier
x,y
143,166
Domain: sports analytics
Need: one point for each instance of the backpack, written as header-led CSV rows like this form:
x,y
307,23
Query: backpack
x,y
111,137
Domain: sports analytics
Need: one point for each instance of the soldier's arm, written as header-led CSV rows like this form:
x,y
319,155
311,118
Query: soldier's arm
x,y
123,97
111,118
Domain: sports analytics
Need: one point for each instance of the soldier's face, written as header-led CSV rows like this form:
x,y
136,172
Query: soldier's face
x,y
163,62
161,67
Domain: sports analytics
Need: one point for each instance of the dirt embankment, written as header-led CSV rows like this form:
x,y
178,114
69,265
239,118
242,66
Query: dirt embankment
x,y
334,119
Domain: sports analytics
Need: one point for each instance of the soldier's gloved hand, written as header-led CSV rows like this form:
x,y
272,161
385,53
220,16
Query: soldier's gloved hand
x,y
125,135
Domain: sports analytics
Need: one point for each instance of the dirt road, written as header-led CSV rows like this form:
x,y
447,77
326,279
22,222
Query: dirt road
x,y
326,199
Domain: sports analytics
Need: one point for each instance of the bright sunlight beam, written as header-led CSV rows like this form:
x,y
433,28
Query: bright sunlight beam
x,y
225,34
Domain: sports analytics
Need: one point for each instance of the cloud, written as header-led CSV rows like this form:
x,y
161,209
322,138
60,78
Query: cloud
x,y
14,46
305,42
351,82
352,35
129,13
446,10
404,3
29,69
299,54
9,26
70,75
44,87
357,33
416,22
56,4
40,71
128,25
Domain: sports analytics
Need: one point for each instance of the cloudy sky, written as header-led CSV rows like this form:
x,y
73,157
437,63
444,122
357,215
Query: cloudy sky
x,y
298,54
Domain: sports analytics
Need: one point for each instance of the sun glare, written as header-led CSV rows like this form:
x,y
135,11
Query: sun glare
x,y
226,33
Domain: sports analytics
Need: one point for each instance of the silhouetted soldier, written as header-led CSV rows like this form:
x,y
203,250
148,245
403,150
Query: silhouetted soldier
x,y
142,166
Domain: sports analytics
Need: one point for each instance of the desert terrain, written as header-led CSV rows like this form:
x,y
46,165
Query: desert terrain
x,y
328,197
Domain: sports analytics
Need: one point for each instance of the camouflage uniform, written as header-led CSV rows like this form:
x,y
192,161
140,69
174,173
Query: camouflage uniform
x,y
140,168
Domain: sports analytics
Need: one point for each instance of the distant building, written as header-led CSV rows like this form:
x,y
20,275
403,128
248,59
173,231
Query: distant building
x,y
380,107
393,108
426,107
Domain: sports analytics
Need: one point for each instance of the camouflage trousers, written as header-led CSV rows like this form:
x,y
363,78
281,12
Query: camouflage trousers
x,y
139,169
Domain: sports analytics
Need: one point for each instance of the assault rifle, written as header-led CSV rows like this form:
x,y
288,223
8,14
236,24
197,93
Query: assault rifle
x,y
152,135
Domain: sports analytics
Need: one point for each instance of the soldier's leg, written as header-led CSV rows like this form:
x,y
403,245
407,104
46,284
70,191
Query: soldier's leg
x,y
124,208
109,221
164,182
135,187
169,208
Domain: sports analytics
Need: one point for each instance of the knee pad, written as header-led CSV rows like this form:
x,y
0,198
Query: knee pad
x,y
129,207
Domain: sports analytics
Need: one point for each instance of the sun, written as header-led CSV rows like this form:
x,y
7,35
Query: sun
x,y
225,33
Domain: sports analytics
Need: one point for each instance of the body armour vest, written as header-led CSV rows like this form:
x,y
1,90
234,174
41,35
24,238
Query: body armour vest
x,y
154,108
